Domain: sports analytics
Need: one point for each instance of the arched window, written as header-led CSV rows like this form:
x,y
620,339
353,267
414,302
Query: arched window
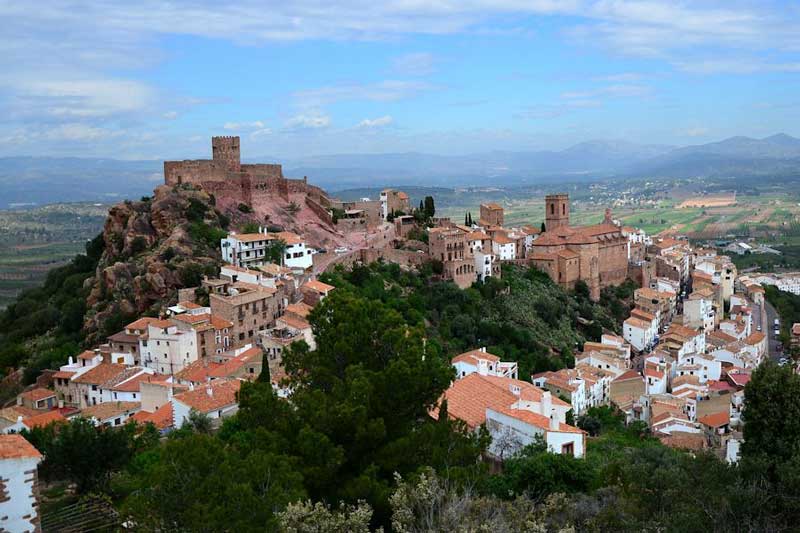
x,y
563,209
552,209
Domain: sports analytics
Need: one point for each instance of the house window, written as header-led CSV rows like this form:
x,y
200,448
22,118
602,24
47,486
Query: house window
x,y
568,449
117,421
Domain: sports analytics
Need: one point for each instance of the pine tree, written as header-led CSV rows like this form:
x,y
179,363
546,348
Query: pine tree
x,y
264,377
543,228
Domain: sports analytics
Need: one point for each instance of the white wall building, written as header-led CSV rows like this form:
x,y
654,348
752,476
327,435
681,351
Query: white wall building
x,y
168,347
503,247
639,333
18,470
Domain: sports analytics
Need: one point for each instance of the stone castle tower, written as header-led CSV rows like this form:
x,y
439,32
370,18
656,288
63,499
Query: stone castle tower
x,y
225,150
556,211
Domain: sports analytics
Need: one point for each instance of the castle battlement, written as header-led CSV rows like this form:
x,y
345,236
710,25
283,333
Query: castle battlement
x,y
225,176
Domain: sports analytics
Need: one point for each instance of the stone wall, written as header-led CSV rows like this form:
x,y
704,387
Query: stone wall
x,y
320,211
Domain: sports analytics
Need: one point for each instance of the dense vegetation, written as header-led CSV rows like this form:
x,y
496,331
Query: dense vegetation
x,y
354,446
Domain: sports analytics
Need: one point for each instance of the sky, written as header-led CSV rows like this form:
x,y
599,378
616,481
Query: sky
x,y
154,80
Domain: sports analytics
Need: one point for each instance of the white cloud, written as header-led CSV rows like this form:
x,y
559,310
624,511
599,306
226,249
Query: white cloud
x,y
308,121
376,122
384,91
243,126
85,98
170,115
417,64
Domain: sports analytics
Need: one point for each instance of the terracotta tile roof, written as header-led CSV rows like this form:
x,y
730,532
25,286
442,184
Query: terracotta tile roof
x,y
162,324
100,374
141,324
683,331
16,447
300,309
63,374
722,336
197,372
468,398
535,419
501,239
754,338
15,411
716,420
739,379
191,319
637,323
294,322
105,410
250,237
222,394
123,336
161,418
288,237
132,384
684,440
44,419
189,305
476,236
472,357
87,355
229,367
652,373
642,314
630,374
318,286
37,394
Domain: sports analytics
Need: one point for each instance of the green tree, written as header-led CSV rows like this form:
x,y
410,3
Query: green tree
x,y
429,207
86,455
275,250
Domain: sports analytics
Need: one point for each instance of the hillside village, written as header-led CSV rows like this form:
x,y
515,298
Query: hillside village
x,y
679,364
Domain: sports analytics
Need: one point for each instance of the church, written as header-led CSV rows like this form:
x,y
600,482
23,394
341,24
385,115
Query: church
x,y
594,254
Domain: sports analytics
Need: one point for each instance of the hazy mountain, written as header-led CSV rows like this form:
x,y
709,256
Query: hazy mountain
x,y
777,154
46,180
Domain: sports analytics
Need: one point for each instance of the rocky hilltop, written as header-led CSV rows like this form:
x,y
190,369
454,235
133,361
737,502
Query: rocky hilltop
x,y
151,248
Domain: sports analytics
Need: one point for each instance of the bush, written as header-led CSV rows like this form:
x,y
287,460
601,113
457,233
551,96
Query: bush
x,y
138,245
244,208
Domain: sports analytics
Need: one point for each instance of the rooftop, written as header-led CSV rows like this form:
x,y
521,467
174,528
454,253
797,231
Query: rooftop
x,y
16,447
215,395
106,410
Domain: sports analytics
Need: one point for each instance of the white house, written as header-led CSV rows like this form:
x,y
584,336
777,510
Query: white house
x,y
216,400
639,333
19,510
483,264
250,249
698,313
484,363
169,346
503,247
513,411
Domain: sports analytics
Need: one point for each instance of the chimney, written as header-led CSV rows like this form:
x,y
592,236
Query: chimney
x,y
209,391
19,419
483,349
547,402
60,404
553,420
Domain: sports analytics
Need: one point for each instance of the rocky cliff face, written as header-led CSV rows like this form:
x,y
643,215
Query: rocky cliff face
x,y
152,248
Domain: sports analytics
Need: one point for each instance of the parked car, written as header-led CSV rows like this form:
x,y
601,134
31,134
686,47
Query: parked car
x,y
341,250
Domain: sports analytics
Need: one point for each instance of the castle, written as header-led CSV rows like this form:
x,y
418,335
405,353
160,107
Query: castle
x,y
594,254
225,176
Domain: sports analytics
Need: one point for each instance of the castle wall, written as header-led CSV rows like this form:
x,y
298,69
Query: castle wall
x,y
320,211
613,261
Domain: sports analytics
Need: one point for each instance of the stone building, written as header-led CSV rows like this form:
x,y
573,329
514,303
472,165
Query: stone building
x,y
451,247
250,308
225,176
393,201
491,215
597,254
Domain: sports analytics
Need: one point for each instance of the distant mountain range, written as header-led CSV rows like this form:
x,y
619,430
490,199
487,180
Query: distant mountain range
x,y
45,180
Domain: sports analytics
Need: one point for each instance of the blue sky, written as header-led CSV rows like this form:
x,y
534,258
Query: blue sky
x,y
148,79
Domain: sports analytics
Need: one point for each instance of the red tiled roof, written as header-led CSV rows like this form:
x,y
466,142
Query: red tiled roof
x,y
44,419
630,374
229,367
16,447
141,324
161,418
105,410
223,394
87,355
716,420
100,373
63,374
318,286
472,357
294,322
197,372
37,394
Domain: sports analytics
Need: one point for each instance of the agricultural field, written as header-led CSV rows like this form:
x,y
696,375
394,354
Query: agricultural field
x,y
772,217
34,240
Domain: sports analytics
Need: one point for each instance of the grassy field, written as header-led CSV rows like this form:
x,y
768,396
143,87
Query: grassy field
x,y
772,218
32,241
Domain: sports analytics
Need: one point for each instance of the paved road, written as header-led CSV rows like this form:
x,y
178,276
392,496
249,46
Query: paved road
x,y
768,330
